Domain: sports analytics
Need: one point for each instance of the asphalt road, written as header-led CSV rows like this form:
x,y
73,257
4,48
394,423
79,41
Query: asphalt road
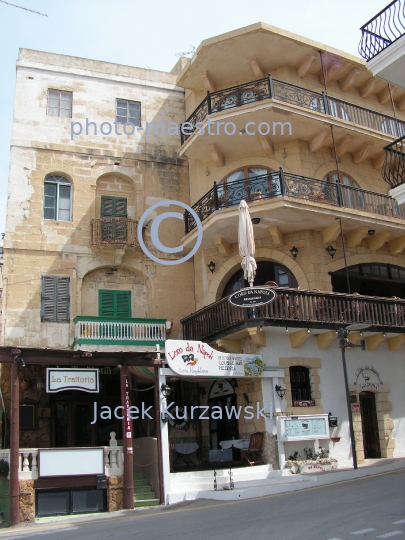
x,y
370,507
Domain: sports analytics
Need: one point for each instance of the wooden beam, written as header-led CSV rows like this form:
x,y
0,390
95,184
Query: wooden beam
x,y
378,240
331,233
298,338
362,153
401,104
325,339
267,145
374,341
385,95
277,236
223,246
343,144
256,67
395,342
306,64
349,80
319,140
354,238
258,336
207,81
230,345
397,246
378,160
216,154
368,88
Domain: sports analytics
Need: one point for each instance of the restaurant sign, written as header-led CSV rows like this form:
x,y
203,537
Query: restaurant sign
x,y
58,379
252,297
197,359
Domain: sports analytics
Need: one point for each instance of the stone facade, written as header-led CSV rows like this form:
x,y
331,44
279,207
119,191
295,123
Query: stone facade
x,y
115,493
27,501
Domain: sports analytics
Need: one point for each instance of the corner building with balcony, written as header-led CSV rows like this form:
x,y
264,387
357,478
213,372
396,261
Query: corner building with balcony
x,y
309,129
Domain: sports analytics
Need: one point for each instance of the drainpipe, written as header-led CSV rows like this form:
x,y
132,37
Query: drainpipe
x,y
127,441
159,437
15,440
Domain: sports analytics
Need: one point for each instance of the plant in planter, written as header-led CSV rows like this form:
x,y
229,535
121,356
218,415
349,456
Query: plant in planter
x,y
4,468
314,461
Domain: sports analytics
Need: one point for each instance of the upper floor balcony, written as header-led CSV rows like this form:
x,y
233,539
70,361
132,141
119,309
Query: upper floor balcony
x,y
310,109
382,43
394,169
114,232
296,308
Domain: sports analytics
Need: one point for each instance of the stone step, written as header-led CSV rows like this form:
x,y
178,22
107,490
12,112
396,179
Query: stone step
x,y
138,476
142,489
147,502
144,495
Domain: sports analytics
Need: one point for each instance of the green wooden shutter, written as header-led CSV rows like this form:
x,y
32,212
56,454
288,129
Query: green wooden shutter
x,y
120,207
123,304
48,298
62,299
106,304
113,206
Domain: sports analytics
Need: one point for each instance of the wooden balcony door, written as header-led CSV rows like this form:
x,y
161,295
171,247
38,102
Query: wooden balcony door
x,y
369,423
113,228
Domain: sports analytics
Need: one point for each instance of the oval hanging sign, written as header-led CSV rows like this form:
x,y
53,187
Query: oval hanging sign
x,y
252,297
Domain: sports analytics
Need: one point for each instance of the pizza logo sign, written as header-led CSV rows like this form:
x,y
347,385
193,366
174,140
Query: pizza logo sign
x,y
189,359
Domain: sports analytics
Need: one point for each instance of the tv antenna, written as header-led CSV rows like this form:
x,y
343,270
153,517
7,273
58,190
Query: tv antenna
x,y
192,52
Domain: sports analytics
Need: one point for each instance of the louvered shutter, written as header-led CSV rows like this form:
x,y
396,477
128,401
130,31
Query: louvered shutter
x,y
107,206
62,299
120,207
106,304
48,298
123,304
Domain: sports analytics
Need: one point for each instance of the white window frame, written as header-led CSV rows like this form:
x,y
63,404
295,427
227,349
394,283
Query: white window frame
x,y
58,183
59,102
128,120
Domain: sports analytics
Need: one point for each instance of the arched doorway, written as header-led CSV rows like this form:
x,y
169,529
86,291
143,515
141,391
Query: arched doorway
x,y
266,271
223,421
369,424
371,279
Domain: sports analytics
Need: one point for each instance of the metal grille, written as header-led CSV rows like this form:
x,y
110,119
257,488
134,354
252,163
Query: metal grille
x,y
114,231
393,171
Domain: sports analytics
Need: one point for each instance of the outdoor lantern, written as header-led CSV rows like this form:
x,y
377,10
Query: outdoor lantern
x,y
331,250
294,252
166,390
211,266
280,391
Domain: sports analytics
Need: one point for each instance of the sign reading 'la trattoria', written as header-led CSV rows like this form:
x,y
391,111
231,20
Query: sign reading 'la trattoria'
x,y
194,358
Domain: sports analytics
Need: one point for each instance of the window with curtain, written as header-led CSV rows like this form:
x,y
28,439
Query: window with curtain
x,y
351,197
57,198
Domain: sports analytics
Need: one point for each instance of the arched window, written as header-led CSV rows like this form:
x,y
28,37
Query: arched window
x,y
266,271
352,197
57,198
250,183
300,383
371,279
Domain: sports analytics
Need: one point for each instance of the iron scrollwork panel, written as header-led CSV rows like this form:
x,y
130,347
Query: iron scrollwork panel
x,y
298,96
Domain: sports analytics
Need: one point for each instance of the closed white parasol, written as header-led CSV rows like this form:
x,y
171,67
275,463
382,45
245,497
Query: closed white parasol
x,y
246,243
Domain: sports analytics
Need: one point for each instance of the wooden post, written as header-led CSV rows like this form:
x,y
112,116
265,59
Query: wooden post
x,y
159,436
14,445
127,441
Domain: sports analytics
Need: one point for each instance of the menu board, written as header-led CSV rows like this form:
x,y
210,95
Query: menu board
x,y
303,427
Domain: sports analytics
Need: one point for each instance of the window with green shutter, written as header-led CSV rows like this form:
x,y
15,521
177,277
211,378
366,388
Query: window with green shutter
x,y
114,304
113,206
55,299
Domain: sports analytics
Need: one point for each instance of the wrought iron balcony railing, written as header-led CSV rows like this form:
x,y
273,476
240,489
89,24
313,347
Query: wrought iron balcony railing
x,y
282,184
270,88
393,170
382,30
113,230
296,308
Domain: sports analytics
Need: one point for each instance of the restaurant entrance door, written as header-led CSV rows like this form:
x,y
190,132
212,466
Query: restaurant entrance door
x,y
223,412
369,424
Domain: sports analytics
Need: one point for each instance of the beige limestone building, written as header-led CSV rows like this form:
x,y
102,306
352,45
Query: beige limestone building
x,y
297,130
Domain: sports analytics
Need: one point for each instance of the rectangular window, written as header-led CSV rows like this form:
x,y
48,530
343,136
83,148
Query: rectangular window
x,y
128,111
28,416
55,299
113,207
57,201
60,103
114,304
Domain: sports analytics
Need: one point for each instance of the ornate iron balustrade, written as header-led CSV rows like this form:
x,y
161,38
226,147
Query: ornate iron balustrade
x,y
270,88
382,30
282,184
393,171
110,230
296,308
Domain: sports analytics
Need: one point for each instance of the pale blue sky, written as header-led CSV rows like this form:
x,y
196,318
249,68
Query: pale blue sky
x,y
149,33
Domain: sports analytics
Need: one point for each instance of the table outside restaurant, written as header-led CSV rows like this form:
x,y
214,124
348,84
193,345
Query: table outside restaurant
x,y
185,450
240,444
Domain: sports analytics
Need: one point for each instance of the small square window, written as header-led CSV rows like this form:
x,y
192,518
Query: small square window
x,y
128,112
60,103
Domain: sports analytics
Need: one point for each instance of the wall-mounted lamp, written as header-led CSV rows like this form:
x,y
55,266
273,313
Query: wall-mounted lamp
x,y
211,266
286,328
255,220
371,232
284,154
280,391
331,250
294,252
207,172
166,390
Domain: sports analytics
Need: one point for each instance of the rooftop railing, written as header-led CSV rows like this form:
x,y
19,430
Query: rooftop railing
x,y
282,184
269,88
382,30
297,308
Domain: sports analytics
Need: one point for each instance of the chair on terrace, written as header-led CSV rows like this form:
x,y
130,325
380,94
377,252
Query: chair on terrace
x,y
253,453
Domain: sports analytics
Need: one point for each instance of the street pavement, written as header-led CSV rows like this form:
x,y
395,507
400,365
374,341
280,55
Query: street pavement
x,y
368,507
